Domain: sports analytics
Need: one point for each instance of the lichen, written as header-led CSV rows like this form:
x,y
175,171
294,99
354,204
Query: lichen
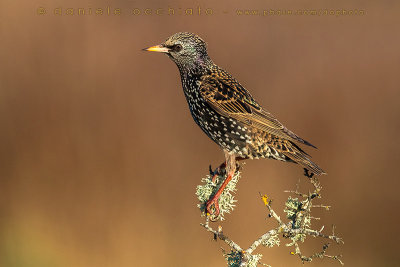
x,y
226,201
272,241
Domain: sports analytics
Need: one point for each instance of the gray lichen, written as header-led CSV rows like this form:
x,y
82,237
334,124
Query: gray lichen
x,y
295,228
272,241
226,201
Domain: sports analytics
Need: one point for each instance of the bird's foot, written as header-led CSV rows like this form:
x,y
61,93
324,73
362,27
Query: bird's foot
x,y
217,172
307,174
212,208
238,167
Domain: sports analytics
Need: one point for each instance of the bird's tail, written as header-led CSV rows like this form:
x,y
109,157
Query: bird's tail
x,y
300,157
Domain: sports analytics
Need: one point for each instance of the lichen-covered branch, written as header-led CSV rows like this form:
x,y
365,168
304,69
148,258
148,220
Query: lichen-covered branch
x,y
218,234
294,227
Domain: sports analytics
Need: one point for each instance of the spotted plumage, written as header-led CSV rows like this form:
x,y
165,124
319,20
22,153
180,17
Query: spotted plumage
x,y
227,112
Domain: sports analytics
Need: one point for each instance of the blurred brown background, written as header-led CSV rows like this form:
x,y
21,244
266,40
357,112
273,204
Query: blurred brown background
x,y
100,157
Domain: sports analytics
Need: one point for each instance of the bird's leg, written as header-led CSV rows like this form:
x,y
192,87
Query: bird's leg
x,y
212,205
230,170
218,171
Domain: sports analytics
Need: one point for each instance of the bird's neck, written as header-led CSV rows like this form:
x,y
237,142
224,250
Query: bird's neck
x,y
191,80
197,67
193,71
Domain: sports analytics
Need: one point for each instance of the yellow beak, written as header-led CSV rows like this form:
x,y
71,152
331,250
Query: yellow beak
x,y
157,48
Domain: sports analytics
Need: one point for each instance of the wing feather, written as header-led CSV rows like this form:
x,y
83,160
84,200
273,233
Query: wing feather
x,y
226,96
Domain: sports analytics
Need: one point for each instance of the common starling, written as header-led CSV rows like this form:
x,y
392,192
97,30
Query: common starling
x,y
227,112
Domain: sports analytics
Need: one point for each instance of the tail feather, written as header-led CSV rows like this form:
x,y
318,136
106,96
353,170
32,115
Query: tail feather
x,y
297,138
300,157
312,167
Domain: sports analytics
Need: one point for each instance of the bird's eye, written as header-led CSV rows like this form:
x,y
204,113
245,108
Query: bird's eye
x,y
176,48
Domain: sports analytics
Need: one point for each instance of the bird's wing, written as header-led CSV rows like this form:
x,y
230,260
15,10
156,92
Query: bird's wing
x,y
226,96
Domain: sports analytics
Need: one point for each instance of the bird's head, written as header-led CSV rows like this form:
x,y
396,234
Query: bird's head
x,y
186,49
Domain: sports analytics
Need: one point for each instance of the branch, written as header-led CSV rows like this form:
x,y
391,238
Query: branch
x,y
219,234
296,227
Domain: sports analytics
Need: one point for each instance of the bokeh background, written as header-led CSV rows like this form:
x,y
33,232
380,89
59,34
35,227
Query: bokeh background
x,y
100,158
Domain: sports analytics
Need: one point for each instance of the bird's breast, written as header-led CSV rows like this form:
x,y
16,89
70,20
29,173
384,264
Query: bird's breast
x,y
228,133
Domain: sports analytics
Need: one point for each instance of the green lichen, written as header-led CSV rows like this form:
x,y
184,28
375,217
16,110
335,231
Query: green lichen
x,y
236,259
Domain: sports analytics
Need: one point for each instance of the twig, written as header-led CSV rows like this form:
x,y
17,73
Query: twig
x,y
298,211
221,236
261,239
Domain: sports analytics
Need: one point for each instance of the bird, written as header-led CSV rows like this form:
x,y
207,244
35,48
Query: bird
x,y
228,114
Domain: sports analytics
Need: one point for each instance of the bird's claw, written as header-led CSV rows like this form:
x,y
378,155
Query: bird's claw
x,y
212,209
217,172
